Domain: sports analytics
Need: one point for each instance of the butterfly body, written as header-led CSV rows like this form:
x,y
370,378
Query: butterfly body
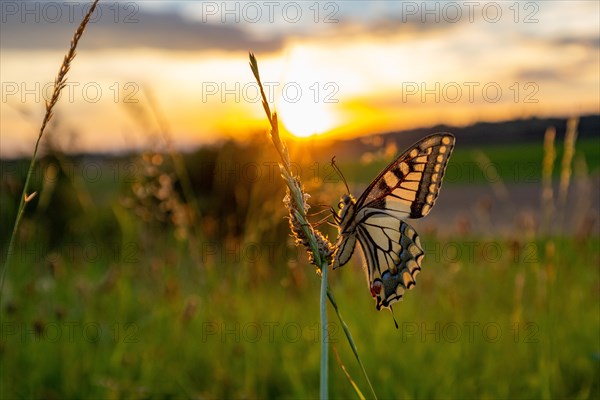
x,y
407,188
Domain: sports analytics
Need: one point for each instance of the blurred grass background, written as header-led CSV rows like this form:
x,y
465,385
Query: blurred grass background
x,y
123,288
160,274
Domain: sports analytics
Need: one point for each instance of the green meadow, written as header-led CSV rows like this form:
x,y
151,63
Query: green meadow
x,y
125,284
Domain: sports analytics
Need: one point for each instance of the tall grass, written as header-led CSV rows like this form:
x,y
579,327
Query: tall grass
x,y
162,303
547,167
190,213
555,210
59,83
566,169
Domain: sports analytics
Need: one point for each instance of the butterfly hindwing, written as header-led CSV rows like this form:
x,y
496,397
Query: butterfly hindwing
x,y
393,255
407,188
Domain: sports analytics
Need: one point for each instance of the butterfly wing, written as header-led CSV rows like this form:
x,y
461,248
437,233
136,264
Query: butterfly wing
x,y
393,254
409,186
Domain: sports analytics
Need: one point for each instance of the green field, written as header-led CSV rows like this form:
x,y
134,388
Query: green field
x,y
112,295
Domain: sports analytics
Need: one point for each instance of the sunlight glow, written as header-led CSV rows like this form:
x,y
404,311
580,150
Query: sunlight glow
x,y
344,81
305,118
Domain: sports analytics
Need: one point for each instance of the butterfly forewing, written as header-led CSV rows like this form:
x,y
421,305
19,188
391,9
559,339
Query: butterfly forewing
x,y
407,188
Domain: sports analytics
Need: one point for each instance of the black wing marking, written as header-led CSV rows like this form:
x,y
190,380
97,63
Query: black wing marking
x,y
410,185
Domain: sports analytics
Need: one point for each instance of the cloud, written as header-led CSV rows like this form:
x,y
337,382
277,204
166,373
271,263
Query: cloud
x,y
385,26
44,28
540,74
574,64
588,42
29,25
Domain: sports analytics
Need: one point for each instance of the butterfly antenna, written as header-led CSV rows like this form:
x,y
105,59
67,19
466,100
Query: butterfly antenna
x,y
393,317
339,172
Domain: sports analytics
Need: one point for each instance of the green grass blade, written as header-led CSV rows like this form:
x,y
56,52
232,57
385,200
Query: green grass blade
x,y
354,385
350,340
324,392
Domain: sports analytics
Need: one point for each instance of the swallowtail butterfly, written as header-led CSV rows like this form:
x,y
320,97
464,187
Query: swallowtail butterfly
x,y
407,188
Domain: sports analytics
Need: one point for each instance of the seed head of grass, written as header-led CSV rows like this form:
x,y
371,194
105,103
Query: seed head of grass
x,y
59,84
319,249
302,231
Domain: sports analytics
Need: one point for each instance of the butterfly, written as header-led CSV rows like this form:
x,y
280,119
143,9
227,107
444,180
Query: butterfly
x,y
407,188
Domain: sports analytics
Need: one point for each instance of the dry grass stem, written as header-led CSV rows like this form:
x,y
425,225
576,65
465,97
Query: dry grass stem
x,y
319,249
565,174
59,84
547,166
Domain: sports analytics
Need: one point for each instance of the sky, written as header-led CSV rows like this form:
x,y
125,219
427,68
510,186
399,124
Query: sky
x,y
333,69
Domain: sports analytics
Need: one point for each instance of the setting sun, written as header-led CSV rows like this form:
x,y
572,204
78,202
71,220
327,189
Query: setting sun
x,y
307,118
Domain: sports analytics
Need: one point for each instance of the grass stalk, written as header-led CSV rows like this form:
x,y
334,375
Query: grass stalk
x,y
547,191
317,246
59,83
178,162
181,171
319,249
324,336
566,170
